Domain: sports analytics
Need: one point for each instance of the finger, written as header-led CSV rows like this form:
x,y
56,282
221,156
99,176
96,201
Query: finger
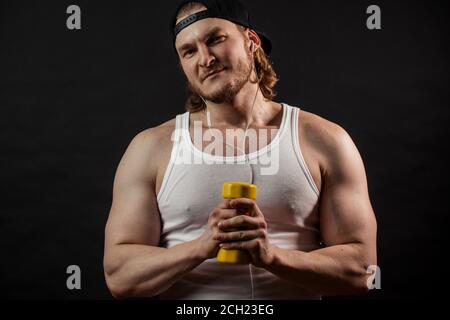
x,y
227,214
218,215
249,204
241,245
241,221
225,204
239,235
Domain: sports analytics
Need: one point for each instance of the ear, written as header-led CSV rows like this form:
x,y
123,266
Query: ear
x,y
255,41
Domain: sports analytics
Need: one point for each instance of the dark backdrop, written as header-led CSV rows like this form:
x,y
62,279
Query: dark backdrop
x,y
72,100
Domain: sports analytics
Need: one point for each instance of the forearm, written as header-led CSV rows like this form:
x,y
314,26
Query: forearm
x,y
334,270
145,271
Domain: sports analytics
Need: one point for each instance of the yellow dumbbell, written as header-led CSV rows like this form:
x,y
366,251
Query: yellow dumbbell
x,y
233,190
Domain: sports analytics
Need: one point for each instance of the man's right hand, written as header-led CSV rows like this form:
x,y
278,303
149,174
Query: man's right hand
x,y
207,246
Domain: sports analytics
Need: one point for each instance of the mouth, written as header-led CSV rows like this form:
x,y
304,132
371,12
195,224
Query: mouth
x,y
213,73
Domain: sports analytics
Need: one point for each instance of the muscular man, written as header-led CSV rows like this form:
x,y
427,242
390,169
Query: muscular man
x,y
311,231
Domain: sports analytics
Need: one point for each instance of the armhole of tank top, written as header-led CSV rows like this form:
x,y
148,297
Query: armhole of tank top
x,y
298,151
173,154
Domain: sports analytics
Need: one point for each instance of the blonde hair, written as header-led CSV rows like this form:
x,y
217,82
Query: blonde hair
x,y
264,70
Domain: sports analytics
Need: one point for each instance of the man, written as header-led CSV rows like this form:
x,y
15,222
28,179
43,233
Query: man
x,y
311,231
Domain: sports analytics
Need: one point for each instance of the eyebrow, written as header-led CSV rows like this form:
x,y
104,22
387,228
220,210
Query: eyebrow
x,y
210,33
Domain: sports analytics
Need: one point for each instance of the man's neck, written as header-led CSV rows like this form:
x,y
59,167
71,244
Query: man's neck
x,y
238,112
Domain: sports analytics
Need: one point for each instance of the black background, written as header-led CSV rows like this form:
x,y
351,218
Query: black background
x,y
72,100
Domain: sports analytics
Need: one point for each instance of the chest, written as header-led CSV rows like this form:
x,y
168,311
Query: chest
x,y
308,151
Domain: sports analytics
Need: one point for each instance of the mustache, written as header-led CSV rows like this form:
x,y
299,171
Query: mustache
x,y
216,68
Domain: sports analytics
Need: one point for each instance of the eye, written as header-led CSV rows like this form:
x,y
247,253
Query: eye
x,y
188,53
216,39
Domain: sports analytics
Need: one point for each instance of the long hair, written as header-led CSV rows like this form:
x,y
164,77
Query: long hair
x,y
264,70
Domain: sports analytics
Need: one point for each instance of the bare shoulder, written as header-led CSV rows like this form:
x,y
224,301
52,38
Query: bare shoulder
x,y
152,146
157,139
319,129
330,142
152,137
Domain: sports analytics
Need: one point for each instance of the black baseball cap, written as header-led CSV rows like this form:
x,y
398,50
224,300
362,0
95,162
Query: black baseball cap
x,y
231,10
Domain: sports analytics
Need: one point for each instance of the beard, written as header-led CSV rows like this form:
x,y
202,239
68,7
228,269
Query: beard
x,y
228,91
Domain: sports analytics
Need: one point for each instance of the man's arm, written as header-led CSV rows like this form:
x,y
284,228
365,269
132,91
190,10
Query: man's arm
x,y
347,224
134,265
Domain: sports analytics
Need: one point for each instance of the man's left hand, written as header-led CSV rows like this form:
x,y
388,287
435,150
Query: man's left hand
x,y
247,232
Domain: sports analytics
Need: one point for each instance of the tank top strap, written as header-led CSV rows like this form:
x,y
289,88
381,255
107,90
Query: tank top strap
x,y
294,122
290,114
179,127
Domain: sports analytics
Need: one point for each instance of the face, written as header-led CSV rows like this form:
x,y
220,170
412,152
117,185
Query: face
x,y
215,58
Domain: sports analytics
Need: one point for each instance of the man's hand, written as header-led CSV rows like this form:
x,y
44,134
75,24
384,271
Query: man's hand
x,y
207,244
246,232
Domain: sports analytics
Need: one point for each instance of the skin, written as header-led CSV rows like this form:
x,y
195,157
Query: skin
x,y
135,266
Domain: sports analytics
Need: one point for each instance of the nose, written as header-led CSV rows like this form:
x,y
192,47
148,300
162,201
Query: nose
x,y
206,59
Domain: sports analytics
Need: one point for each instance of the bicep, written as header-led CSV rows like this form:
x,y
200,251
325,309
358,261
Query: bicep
x,y
134,216
346,214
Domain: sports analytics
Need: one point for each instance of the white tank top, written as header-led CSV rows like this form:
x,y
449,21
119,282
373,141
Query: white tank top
x,y
288,199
